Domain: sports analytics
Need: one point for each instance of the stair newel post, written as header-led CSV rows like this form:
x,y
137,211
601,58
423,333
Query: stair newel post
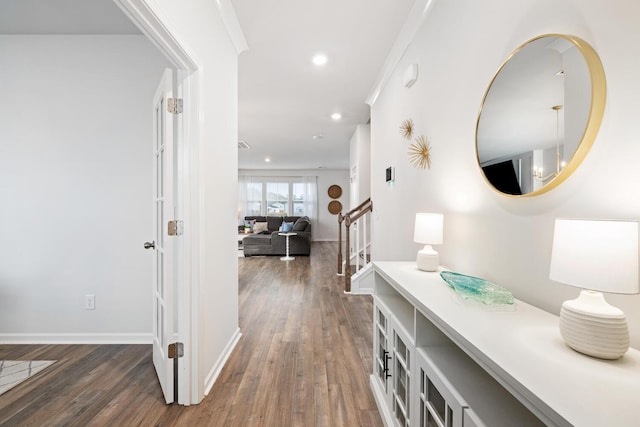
x,y
347,249
340,220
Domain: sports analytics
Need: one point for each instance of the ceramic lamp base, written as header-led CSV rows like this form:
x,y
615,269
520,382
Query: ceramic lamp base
x,y
427,259
591,326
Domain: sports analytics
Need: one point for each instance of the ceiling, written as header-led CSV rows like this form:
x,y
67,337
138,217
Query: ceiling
x,y
63,17
285,101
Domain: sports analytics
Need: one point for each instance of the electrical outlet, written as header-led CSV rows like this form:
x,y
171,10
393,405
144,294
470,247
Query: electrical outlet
x,y
89,302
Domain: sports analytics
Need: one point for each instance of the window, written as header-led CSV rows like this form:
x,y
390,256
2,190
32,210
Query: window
x,y
277,196
298,198
254,199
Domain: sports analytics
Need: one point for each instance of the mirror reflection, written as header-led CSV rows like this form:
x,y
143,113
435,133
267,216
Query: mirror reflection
x,y
535,115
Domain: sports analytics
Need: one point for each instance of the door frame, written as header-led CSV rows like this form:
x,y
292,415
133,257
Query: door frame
x,y
186,175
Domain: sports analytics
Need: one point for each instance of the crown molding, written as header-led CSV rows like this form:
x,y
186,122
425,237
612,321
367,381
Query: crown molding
x,y
416,18
232,25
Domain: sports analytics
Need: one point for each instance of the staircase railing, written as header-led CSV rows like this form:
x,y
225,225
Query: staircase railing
x,y
358,218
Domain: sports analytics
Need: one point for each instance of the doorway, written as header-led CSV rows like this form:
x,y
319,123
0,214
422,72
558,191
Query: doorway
x,y
77,179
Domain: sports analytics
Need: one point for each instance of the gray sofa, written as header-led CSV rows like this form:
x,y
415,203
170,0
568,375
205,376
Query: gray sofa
x,y
271,243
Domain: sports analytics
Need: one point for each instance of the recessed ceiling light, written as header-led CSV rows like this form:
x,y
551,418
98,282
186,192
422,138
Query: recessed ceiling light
x,y
267,159
318,136
336,116
320,59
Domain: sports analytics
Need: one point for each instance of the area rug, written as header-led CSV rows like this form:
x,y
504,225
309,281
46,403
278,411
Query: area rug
x,y
13,372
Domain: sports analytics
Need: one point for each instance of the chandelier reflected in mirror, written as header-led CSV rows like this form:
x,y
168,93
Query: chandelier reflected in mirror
x,y
538,172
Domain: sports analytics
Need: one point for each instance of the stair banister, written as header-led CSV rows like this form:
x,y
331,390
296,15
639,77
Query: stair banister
x,y
340,221
349,218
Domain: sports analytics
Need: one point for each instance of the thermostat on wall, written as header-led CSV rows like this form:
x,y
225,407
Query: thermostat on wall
x,y
391,174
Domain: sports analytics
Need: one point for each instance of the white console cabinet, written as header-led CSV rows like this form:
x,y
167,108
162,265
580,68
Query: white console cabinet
x,y
393,362
441,361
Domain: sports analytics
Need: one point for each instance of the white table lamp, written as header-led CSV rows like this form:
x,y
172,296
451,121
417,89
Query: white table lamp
x,y
598,256
428,231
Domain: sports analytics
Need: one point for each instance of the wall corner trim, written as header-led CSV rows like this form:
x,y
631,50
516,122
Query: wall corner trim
x,y
155,28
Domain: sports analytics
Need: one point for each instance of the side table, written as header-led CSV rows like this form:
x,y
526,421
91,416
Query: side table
x,y
287,235
240,243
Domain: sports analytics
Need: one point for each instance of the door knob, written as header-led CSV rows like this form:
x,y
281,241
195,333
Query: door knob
x,y
150,245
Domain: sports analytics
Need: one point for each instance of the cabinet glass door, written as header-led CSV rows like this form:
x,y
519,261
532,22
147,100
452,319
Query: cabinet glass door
x,y
433,406
382,348
402,379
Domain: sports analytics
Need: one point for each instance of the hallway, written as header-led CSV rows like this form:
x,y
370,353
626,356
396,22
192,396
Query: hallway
x,y
304,359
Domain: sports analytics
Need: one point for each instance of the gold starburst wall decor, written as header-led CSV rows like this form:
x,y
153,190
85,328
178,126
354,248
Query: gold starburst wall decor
x,y
420,153
406,129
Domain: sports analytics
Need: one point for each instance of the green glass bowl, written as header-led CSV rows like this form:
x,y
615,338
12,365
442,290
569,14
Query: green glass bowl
x,y
474,288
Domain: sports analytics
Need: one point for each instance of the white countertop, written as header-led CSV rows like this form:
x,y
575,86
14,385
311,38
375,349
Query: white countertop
x,y
522,348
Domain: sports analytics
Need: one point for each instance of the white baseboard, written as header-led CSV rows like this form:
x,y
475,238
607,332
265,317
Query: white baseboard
x,y
387,419
335,240
213,374
77,338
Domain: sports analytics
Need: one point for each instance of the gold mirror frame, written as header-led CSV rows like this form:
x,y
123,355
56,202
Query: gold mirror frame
x,y
596,112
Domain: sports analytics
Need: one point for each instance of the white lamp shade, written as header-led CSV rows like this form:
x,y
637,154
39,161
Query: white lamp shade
x,y
596,255
428,228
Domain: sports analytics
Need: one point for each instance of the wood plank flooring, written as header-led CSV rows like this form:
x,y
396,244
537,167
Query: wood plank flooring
x,y
304,360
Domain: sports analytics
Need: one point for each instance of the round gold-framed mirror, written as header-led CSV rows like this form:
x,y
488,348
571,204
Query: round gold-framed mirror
x,y
540,115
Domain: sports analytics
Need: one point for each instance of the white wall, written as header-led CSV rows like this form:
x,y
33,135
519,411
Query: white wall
x,y
508,241
75,186
327,227
360,159
198,26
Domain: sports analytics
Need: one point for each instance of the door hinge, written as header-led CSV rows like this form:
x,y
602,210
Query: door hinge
x,y
174,105
176,350
175,228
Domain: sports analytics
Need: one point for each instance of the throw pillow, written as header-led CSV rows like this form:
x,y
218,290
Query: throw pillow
x,y
259,227
286,227
300,225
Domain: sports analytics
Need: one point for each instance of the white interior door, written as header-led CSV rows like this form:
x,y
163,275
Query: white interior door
x,y
163,263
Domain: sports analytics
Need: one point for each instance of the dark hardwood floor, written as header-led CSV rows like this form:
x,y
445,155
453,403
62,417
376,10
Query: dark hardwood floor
x,y
304,360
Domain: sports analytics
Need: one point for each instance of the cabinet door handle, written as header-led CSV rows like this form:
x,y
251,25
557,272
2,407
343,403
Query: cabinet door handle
x,y
386,364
